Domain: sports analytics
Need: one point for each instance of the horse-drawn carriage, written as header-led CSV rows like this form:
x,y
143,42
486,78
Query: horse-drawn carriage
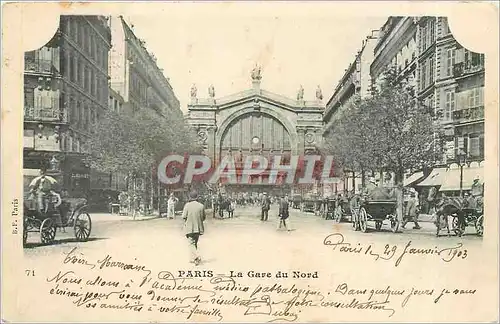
x,y
377,211
464,212
311,204
71,212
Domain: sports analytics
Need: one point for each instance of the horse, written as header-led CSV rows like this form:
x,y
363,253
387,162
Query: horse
x,y
450,206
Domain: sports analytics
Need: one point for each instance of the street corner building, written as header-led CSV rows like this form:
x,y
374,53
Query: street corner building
x,y
65,92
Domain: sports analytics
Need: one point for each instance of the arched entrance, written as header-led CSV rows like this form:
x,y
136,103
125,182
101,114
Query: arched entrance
x,y
255,133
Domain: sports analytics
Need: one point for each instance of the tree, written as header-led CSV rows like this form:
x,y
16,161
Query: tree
x,y
391,130
134,143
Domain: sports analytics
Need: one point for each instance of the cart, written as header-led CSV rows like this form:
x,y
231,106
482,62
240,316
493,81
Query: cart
x,y
296,201
71,213
463,215
310,205
377,211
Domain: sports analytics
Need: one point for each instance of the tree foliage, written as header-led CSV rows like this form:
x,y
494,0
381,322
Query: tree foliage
x,y
391,130
134,142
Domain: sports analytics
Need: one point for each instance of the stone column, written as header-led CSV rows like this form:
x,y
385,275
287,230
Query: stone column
x,y
212,146
300,140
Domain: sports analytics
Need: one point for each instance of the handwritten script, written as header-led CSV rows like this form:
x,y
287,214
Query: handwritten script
x,y
394,252
118,285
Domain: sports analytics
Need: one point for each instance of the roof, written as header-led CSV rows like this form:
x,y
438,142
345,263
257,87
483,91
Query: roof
x,y
413,178
435,178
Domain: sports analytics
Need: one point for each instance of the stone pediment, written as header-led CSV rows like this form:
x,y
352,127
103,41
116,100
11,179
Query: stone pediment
x,y
252,95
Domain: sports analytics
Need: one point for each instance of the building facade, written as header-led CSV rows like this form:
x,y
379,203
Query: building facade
x,y
138,83
65,92
256,122
135,74
356,82
396,47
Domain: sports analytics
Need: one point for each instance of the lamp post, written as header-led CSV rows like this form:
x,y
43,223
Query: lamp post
x,y
461,156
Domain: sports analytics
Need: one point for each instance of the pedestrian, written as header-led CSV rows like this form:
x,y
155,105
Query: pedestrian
x,y
231,207
283,214
477,192
266,205
172,201
411,211
194,216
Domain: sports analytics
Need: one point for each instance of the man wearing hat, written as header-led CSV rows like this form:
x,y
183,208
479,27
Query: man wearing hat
x,y
172,200
477,191
194,216
411,211
266,205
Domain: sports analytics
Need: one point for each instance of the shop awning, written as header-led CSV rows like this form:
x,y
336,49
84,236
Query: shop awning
x,y
413,178
452,179
435,178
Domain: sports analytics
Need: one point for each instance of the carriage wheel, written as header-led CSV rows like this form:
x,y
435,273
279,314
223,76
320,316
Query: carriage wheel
x,y
48,231
394,224
378,225
363,220
479,226
82,227
25,234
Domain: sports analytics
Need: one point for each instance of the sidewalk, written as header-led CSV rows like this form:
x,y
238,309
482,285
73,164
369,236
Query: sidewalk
x,y
107,217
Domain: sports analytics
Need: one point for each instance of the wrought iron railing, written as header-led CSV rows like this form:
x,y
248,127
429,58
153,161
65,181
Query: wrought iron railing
x,y
468,67
38,65
469,114
45,114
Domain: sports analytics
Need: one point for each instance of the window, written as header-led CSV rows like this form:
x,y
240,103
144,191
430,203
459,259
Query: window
x,y
29,97
72,69
93,83
474,147
423,71
449,106
431,70
450,61
86,84
445,27
475,97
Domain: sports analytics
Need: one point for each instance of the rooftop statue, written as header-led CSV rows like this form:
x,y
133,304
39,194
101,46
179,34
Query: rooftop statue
x,y
300,93
193,91
256,73
211,91
319,94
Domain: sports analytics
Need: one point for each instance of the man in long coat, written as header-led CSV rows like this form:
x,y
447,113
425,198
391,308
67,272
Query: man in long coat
x,y
266,205
194,216
283,213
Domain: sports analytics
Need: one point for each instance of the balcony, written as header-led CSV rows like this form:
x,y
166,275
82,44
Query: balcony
x,y
468,67
38,65
45,115
468,114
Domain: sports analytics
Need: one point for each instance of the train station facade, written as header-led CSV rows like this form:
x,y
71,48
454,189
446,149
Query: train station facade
x,y
256,122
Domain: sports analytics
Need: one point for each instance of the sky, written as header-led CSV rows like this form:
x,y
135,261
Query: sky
x,y
221,47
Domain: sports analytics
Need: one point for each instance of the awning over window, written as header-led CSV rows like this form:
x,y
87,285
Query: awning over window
x,y
413,178
435,178
452,179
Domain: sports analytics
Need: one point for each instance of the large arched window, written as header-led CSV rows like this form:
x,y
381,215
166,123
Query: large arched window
x,y
256,132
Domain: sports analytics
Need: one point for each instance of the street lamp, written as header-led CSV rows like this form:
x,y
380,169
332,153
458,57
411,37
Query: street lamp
x,y
462,161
